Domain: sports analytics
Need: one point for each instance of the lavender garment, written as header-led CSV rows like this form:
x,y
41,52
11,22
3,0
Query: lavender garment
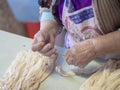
x,y
78,4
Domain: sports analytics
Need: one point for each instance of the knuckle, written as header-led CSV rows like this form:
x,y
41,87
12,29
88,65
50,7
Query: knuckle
x,y
50,46
39,45
73,51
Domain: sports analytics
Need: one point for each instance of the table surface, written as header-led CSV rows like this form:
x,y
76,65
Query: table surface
x,y
11,44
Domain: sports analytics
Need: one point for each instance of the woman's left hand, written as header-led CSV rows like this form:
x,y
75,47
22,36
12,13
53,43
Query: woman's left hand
x,y
81,54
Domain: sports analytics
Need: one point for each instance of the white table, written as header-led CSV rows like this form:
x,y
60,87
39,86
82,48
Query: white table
x,y
11,44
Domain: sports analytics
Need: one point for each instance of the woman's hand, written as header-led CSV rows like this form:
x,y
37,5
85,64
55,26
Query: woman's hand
x,y
44,39
81,54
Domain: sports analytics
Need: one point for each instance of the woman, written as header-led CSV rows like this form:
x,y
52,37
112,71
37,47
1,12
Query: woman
x,y
92,29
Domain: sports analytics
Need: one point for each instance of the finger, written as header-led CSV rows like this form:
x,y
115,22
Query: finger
x,y
54,56
38,46
33,43
46,48
76,63
81,65
70,61
50,52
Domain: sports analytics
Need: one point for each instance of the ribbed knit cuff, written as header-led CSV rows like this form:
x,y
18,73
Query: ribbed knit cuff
x,y
46,15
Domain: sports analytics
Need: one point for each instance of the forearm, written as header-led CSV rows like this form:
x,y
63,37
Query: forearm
x,y
107,44
49,25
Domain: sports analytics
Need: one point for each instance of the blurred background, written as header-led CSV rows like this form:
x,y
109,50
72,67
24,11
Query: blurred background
x,y
20,17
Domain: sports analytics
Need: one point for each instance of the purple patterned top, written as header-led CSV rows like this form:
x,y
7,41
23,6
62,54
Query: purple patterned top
x,y
78,4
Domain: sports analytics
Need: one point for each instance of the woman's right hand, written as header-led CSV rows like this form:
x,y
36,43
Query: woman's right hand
x,y
45,38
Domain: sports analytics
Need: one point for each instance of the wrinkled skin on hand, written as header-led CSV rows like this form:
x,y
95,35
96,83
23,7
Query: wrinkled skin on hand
x,y
81,54
45,38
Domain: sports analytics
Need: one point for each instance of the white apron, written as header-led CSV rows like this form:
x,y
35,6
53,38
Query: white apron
x,y
80,25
